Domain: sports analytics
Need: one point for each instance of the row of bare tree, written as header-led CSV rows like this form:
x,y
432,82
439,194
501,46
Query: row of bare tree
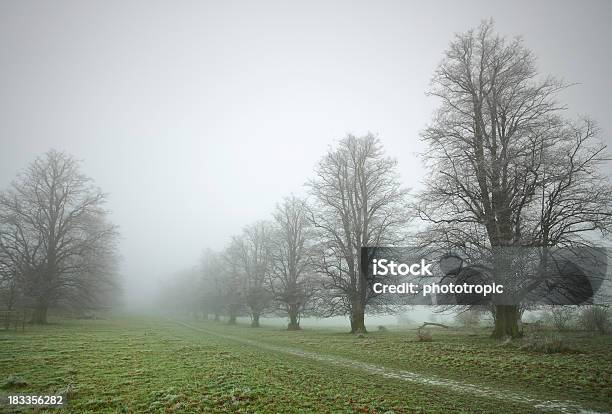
x,y
57,247
506,168
306,260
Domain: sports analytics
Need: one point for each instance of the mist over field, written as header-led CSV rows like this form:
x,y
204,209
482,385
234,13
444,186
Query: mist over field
x,y
169,107
196,198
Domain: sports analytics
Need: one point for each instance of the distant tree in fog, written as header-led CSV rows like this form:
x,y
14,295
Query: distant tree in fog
x,y
469,318
56,244
11,282
251,254
212,284
596,318
180,294
562,317
292,281
358,201
230,284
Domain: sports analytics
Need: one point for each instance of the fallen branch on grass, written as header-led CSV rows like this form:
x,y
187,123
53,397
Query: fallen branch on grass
x,y
425,336
433,324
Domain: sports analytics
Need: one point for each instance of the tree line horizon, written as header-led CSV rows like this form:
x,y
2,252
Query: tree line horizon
x,y
505,168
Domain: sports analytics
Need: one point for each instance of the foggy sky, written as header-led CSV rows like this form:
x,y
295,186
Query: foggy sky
x,y
197,117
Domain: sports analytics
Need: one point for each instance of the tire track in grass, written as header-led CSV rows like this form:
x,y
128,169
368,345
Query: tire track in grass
x,y
560,406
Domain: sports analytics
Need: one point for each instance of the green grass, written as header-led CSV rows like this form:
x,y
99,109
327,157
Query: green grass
x,y
583,376
150,365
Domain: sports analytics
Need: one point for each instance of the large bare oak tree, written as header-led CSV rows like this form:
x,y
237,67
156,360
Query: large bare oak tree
x,y
506,168
358,201
54,229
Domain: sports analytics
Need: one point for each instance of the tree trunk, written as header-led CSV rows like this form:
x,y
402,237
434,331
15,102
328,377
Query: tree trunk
x,y
506,322
232,319
217,317
294,324
39,316
359,300
358,322
11,298
255,320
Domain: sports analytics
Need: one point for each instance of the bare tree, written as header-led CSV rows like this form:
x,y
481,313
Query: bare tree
x,y
9,275
358,202
562,317
229,283
54,228
213,287
506,168
252,258
596,318
12,265
180,294
292,278
469,318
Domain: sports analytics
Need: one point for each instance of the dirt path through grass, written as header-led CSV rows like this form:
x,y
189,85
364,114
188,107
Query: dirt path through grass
x,y
567,407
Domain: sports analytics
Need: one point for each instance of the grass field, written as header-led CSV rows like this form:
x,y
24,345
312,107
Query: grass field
x,y
140,364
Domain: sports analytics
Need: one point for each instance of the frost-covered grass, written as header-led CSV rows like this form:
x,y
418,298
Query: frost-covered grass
x,y
158,366
580,371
